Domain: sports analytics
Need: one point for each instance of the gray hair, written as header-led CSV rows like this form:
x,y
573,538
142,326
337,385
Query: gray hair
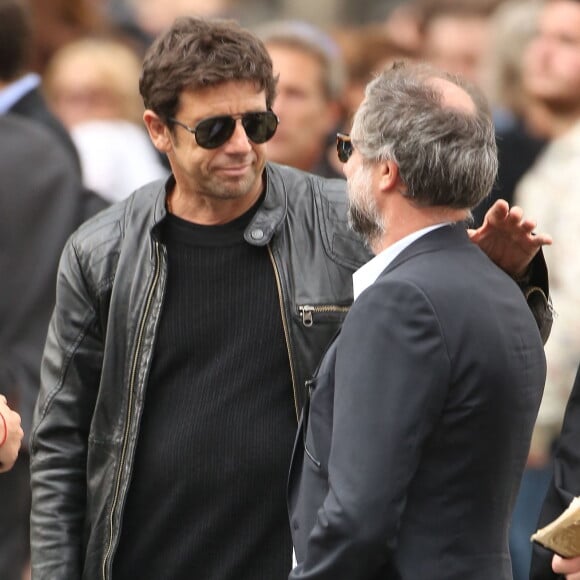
x,y
309,39
446,156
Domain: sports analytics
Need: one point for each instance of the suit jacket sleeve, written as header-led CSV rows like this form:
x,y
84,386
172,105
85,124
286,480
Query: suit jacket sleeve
x,y
565,484
536,289
392,372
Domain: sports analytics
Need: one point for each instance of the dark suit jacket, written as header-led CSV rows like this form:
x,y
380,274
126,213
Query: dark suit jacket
x,y
41,203
33,106
565,484
409,458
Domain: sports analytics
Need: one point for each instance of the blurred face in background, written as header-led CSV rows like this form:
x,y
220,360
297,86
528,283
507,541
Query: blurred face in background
x,y
154,16
92,79
552,60
307,115
458,44
79,95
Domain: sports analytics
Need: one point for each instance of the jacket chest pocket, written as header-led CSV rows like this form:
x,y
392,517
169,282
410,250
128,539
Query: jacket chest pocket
x,y
322,313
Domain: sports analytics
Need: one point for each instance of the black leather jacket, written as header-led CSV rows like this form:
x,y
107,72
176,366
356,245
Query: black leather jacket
x,y
98,353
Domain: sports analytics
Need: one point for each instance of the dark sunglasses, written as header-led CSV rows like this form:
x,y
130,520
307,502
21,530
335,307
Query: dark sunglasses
x,y
344,147
213,132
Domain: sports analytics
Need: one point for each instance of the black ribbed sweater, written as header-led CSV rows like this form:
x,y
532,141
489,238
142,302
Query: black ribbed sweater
x,y
207,497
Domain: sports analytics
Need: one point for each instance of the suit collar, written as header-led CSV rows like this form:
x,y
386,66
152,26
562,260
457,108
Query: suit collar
x,y
17,90
451,235
368,274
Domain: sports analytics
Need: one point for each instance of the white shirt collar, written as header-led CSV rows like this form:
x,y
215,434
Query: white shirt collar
x,y
367,275
12,93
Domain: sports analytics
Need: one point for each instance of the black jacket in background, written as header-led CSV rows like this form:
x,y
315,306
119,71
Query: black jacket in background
x,y
33,107
565,484
42,202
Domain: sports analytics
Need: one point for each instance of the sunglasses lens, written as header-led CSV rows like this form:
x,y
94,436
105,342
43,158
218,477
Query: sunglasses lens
x,y
214,132
343,147
260,127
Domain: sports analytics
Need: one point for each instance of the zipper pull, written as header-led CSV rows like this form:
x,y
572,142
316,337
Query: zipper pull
x,y
306,313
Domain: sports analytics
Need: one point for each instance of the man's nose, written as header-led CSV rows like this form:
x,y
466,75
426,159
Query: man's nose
x,y
239,141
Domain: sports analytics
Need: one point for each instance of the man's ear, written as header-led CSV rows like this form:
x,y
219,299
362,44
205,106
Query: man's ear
x,y
389,176
158,131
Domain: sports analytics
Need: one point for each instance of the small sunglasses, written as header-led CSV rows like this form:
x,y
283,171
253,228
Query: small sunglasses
x,y
344,147
213,132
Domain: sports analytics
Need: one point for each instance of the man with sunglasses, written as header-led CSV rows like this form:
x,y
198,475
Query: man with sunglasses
x,y
188,319
415,438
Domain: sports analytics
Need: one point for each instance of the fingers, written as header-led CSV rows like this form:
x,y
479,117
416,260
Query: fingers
x,y
527,226
565,565
3,400
542,239
498,212
516,215
501,212
516,218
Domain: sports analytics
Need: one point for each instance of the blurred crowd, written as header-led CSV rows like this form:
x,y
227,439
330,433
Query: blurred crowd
x,y
72,141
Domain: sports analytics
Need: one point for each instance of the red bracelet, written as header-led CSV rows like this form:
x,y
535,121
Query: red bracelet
x,y
5,430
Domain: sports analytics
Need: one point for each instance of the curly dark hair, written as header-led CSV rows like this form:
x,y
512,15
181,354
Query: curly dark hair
x,y
196,53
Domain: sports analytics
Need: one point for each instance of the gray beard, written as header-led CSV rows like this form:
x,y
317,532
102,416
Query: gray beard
x,y
364,224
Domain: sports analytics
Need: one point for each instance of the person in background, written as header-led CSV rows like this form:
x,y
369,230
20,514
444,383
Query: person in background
x,y
466,38
188,318
28,282
153,17
403,25
11,434
411,450
91,84
563,487
58,22
551,189
519,121
519,118
366,51
42,202
309,96
456,35
21,92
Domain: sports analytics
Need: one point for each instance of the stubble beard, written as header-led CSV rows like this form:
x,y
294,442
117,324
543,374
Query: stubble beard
x,y
230,189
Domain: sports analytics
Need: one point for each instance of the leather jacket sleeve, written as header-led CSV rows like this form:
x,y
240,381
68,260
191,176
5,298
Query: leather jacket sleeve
x,y
69,384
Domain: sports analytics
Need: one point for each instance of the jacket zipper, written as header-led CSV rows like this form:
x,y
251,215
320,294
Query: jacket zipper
x,y
307,312
286,332
129,407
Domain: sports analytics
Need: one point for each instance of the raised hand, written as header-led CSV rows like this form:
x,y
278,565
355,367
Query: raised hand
x,y
508,238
